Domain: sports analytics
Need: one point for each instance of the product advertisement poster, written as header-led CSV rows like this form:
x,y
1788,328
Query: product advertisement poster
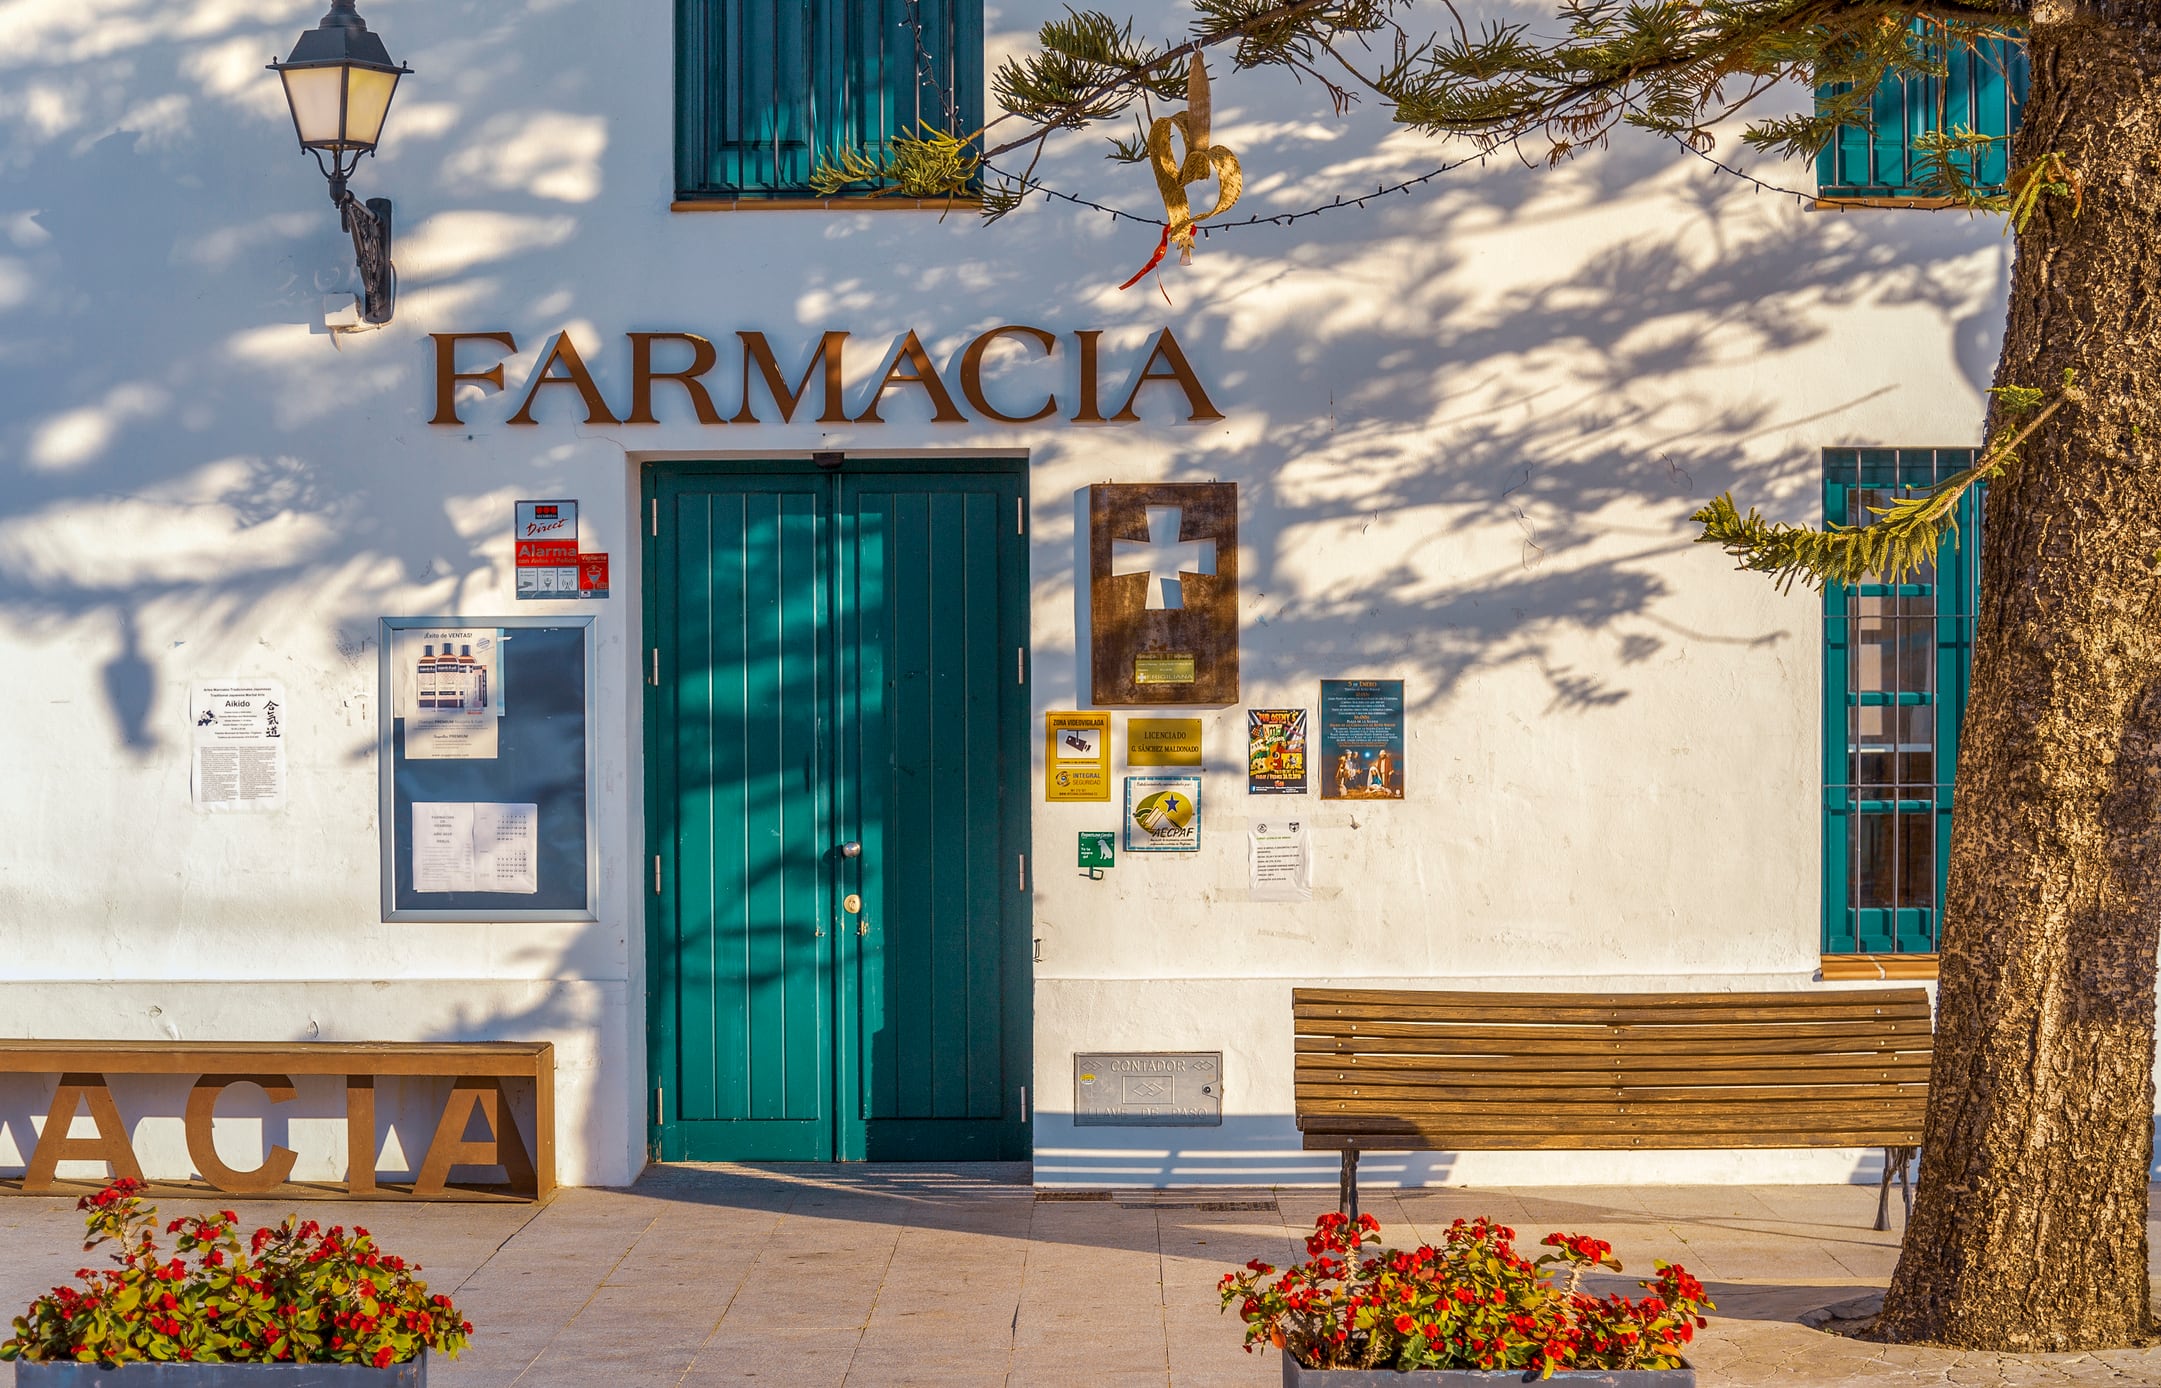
x,y
449,691
237,756
1275,751
1361,739
1163,814
1076,756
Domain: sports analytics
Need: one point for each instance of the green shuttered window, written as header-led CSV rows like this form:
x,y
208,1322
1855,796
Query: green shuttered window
x,y
1897,662
1983,91
767,89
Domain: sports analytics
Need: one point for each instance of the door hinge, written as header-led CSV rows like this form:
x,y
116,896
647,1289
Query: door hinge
x,y
656,874
656,668
1024,1103
656,516
1020,665
660,1105
1021,877
1020,516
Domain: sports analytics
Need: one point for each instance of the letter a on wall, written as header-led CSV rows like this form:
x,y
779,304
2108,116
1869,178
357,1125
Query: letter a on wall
x,y
1163,593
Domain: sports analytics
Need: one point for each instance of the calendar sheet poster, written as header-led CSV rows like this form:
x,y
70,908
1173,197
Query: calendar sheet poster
x,y
475,847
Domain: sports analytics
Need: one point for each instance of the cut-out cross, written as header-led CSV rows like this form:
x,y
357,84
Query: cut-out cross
x,y
1163,558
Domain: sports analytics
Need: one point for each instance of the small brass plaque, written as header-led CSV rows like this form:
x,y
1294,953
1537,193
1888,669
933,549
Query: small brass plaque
x,y
1163,669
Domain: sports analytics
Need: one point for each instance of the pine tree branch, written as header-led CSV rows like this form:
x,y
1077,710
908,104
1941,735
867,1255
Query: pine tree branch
x,y
1904,537
1066,116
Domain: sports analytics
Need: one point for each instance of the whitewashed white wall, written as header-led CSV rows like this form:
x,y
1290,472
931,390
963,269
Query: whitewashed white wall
x,y
1468,425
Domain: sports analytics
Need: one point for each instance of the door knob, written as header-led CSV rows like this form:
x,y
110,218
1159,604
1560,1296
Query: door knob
x,y
851,849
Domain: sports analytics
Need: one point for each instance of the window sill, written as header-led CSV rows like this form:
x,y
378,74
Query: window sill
x,y
1825,203
1877,967
816,204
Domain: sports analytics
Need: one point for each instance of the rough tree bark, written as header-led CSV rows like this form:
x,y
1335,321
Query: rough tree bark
x,y
2029,1230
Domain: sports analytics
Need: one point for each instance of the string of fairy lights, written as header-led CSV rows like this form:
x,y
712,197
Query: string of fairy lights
x,y
1035,188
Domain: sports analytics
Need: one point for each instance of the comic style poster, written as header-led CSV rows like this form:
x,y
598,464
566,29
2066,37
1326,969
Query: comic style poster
x,y
1275,751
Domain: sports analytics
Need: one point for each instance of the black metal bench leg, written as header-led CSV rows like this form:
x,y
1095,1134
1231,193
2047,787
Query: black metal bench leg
x,y
1895,1163
1347,1189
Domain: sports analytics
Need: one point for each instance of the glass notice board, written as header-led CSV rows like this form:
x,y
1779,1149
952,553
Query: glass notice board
x,y
487,769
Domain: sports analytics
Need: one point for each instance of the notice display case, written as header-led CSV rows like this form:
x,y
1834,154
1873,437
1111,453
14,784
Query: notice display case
x,y
487,769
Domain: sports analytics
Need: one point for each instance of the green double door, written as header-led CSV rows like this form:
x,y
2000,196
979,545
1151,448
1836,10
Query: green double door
x,y
837,772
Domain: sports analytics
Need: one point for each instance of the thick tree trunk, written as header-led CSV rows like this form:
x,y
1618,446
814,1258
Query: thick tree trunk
x,y
2029,1231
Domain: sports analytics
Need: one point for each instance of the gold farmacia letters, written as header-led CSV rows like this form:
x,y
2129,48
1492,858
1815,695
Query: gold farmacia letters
x,y
682,365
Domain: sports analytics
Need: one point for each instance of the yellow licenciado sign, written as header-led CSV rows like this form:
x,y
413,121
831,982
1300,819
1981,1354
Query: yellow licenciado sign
x,y
1076,756
1163,742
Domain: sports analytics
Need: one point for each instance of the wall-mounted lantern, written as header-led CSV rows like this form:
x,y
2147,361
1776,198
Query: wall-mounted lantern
x,y
338,82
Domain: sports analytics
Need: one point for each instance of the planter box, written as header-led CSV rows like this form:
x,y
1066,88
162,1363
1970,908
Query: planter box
x,y
413,1374
1296,1377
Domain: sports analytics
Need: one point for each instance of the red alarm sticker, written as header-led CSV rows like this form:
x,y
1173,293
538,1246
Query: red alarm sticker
x,y
592,575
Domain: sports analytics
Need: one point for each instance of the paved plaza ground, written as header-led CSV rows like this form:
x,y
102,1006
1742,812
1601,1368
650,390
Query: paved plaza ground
x,y
963,1275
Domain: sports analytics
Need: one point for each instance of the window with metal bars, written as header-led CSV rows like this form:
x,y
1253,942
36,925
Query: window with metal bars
x,y
766,90
1896,667
1982,89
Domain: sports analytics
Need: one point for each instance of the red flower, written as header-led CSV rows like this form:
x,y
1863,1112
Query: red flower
x,y
1405,1325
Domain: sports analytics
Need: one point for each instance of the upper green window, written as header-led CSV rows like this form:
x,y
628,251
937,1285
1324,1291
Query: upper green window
x,y
1897,663
1982,91
767,90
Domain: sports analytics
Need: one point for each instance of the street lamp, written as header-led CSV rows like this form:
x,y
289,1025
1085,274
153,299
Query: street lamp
x,y
338,82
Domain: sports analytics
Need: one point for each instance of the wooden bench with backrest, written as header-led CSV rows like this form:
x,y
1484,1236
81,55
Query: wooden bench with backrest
x,y
1393,1071
476,1071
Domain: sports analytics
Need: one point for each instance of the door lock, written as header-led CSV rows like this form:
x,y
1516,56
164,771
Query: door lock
x,y
851,903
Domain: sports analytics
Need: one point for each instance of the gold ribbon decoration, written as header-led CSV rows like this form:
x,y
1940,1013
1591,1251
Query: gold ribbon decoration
x,y
1174,175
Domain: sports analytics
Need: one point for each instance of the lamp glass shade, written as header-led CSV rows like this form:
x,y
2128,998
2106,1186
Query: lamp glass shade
x,y
339,106
317,96
367,101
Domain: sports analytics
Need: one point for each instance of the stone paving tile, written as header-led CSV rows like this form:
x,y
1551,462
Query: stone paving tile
x,y
833,1275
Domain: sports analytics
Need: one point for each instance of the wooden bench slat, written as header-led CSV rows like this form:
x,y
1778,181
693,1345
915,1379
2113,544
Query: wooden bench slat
x,y
1410,1053
1444,1043
1702,1123
1701,1012
1453,1065
1469,999
1593,1013
1351,1087
1667,1140
1587,1114
1919,1028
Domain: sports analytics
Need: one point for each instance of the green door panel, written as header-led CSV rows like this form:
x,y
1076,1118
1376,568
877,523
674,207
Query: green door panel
x,y
842,660
743,777
933,610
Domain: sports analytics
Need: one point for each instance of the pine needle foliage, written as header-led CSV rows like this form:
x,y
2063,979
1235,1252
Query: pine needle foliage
x,y
1902,539
931,163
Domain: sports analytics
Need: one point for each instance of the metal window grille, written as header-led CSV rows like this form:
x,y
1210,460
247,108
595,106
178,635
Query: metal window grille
x,y
1983,87
768,89
1897,665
